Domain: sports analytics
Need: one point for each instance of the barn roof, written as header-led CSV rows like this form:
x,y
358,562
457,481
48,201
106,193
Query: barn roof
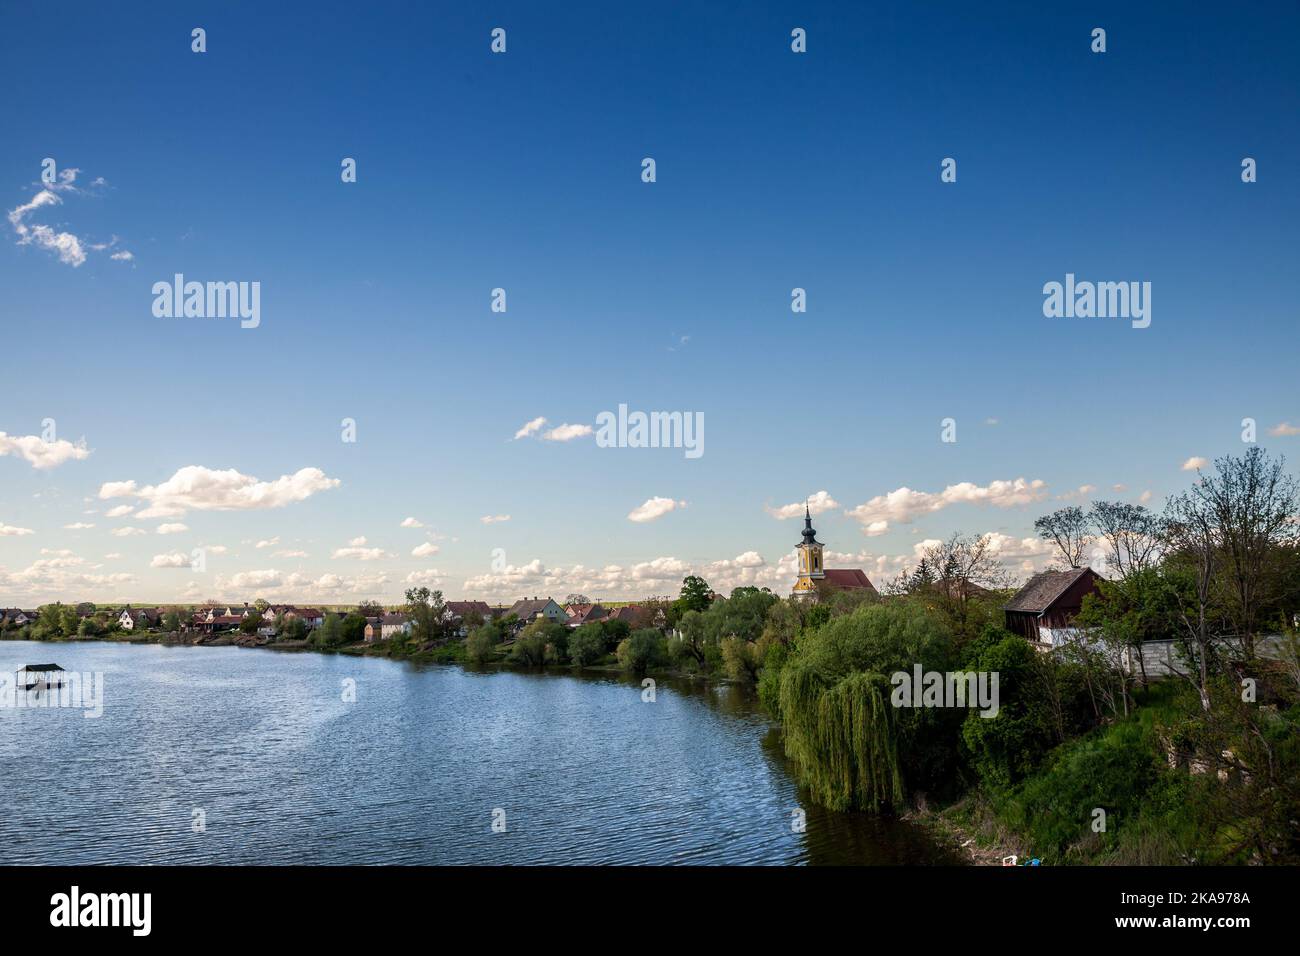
x,y
1045,589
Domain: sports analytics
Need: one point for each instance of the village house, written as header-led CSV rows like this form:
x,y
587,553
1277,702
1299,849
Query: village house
x,y
580,614
394,624
461,612
1043,611
16,617
131,618
528,611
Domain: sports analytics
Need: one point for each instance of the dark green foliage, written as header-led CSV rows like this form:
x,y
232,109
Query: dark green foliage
x,y
644,650
849,745
482,644
1005,748
587,644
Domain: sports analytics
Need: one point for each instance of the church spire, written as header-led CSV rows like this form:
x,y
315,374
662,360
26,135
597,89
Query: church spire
x,y
809,535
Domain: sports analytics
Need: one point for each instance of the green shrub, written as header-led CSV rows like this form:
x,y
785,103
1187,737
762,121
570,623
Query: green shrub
x,y
642,651
587,645
481,646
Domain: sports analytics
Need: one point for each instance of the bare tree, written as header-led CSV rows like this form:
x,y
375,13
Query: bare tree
x,y
1253,505
1068,529
1131,533
1189,530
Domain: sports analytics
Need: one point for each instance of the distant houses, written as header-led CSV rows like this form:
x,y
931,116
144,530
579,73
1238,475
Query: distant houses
x,y
530,610
140,618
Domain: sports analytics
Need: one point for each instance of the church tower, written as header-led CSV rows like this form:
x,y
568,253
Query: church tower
x,y
811,569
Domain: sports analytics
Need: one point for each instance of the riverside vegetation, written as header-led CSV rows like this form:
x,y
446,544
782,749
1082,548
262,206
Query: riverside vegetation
x,y
1086,760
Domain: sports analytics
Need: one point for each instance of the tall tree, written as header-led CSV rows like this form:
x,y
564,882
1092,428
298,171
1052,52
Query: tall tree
x,y
1253,505
1131,534
1068,529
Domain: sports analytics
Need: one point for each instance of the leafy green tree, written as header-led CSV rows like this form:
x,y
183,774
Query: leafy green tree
x,y
427,613
643,651
330,633
694,596
294,629
1007,747
482,644
354,628
587,644
847,743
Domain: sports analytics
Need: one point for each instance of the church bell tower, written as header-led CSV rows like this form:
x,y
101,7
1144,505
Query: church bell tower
x,y
811,569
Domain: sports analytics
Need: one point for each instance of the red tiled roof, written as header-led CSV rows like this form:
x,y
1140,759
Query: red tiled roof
x,y
848,579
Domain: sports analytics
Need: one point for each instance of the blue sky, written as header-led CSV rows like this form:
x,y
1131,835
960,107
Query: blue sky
x,y
522,171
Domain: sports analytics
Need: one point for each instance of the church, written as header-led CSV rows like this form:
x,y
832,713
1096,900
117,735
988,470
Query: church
x,y
814,577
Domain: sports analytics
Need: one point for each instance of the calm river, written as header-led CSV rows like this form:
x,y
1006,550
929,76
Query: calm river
x,y
231,756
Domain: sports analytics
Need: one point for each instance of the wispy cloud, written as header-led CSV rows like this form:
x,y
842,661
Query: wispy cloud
x,y
530,428
1195,462
1284,430
568,432
69,247
654,508
494,519
817,504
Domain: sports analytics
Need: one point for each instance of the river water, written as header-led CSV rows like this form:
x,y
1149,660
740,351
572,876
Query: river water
x,y
226,755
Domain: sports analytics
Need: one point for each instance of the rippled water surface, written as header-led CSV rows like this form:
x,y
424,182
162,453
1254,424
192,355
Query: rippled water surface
x,y
287,772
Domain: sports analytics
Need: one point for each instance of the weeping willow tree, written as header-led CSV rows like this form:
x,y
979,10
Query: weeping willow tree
x,y
848,744
841,738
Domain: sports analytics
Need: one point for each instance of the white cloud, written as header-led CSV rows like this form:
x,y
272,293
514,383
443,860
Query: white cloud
x,y
197,488
568,432
817,504
172,527
530,428
127,532
494,519
430,578
289,554
653,508
56,579
42,454
268,542
77,526
1284,430
119,511
70,248
424,550
8,530
174,560
1194,463
904,505
412,523
357,549
1083,491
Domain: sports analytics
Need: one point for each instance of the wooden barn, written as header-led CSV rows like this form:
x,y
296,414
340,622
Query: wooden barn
x,y
1043,611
